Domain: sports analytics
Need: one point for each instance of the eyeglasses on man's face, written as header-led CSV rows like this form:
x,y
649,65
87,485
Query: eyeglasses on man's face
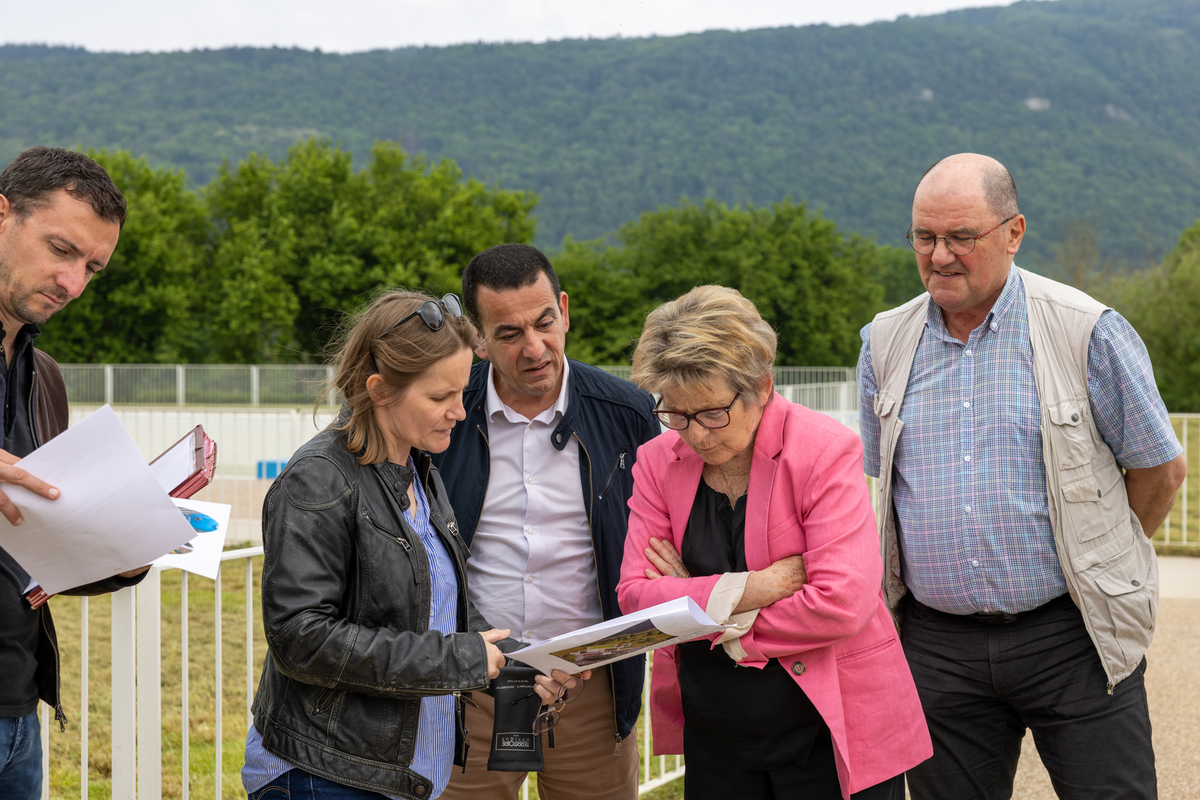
x,y
706,418
960,244
432,312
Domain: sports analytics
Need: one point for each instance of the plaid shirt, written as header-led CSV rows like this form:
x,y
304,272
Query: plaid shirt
x,y
972,515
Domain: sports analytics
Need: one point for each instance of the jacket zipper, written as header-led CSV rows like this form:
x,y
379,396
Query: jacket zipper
x,y
319,708
403,542
60,716
32,384
596,564
620,464
461,700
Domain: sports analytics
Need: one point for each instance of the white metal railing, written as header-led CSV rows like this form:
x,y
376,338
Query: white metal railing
x,y
197,384
838,399
1181,526
255,385
136,691
136,686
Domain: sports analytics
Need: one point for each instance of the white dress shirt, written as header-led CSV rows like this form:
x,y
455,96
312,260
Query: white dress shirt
x,y
532,567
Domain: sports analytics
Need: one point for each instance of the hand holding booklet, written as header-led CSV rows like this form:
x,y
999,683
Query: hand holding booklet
x,y
679,620
113,514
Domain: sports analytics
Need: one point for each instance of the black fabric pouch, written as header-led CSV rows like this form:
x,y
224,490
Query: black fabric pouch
x,y
515,747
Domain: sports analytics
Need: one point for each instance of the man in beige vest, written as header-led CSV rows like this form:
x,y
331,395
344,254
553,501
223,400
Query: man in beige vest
x,y
1023,455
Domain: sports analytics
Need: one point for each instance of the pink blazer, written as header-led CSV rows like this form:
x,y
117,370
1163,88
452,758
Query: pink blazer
x,y
807,496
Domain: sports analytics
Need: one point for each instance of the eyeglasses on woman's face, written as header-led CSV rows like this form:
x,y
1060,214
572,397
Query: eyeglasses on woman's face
x,y
432,312
706,418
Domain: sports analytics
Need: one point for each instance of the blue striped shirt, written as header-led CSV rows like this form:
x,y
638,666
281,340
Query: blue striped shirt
x,y
969,482
434,754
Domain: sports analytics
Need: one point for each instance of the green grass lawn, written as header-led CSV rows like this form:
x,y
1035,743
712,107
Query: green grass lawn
x,y
64,747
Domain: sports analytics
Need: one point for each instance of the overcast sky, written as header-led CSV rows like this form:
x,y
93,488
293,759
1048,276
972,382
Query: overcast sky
x,y
356,25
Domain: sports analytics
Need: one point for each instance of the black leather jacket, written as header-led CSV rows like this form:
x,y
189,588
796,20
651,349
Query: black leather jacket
x,y
345,604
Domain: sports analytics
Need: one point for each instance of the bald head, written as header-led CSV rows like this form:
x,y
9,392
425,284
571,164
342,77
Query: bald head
x,y
969,173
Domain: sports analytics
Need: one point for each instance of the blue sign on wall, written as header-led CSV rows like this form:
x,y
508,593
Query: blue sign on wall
x,y
271,469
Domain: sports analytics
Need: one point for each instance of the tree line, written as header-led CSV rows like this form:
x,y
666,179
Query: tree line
x,y
257,266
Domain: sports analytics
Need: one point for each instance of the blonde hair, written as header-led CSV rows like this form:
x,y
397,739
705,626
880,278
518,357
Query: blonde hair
x,y
710,332
400,357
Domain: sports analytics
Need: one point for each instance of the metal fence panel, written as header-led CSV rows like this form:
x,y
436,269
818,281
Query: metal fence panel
x,y
256,385
249,385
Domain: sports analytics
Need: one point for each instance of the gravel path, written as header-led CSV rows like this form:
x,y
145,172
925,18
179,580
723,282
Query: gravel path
x,y
1173,686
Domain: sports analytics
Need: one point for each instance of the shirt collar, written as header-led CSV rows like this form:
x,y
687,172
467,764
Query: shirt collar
x,y
935,322
549,417
28,333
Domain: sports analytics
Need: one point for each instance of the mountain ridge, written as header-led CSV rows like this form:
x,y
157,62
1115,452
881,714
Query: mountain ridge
x,y
1093,104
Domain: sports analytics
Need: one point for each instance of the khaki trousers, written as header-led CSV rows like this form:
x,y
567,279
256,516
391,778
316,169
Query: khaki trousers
x,y
582,765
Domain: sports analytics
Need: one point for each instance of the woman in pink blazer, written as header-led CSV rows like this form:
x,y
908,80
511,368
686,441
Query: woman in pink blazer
x,y
756,508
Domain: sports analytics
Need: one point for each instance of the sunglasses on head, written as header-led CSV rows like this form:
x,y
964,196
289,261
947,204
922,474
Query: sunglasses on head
x,y
432,312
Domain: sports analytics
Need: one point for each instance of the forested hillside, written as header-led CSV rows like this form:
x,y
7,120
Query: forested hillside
x,y
1093,104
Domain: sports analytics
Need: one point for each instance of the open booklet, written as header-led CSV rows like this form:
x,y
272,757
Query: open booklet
x,y
669,623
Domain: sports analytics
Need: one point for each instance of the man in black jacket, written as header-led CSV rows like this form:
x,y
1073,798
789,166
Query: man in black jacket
x,y
60,217
539,475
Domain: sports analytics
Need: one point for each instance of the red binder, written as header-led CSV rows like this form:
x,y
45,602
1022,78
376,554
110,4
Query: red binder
x,y
187,466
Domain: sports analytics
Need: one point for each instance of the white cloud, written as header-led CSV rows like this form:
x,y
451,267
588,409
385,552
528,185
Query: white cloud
x,y
356,25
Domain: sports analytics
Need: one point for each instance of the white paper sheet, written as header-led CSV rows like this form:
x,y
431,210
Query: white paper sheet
x,y
679,620
111,517
204,555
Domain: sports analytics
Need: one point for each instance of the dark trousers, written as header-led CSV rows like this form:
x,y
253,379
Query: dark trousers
x,y
707,778
982,685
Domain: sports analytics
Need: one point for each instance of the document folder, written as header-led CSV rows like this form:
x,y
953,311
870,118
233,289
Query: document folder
x,y
187,466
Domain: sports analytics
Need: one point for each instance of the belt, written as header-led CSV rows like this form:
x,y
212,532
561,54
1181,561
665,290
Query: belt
x,y
996,617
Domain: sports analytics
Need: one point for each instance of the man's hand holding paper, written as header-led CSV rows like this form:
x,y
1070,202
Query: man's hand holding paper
x,y
11,473
111,516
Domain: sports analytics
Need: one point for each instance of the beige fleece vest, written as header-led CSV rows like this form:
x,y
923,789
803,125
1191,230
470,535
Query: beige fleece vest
x,y
1109,563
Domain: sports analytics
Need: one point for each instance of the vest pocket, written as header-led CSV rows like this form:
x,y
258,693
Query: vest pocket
x,y
1073,444
1129,574
1082,490
1127,592
1102,489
